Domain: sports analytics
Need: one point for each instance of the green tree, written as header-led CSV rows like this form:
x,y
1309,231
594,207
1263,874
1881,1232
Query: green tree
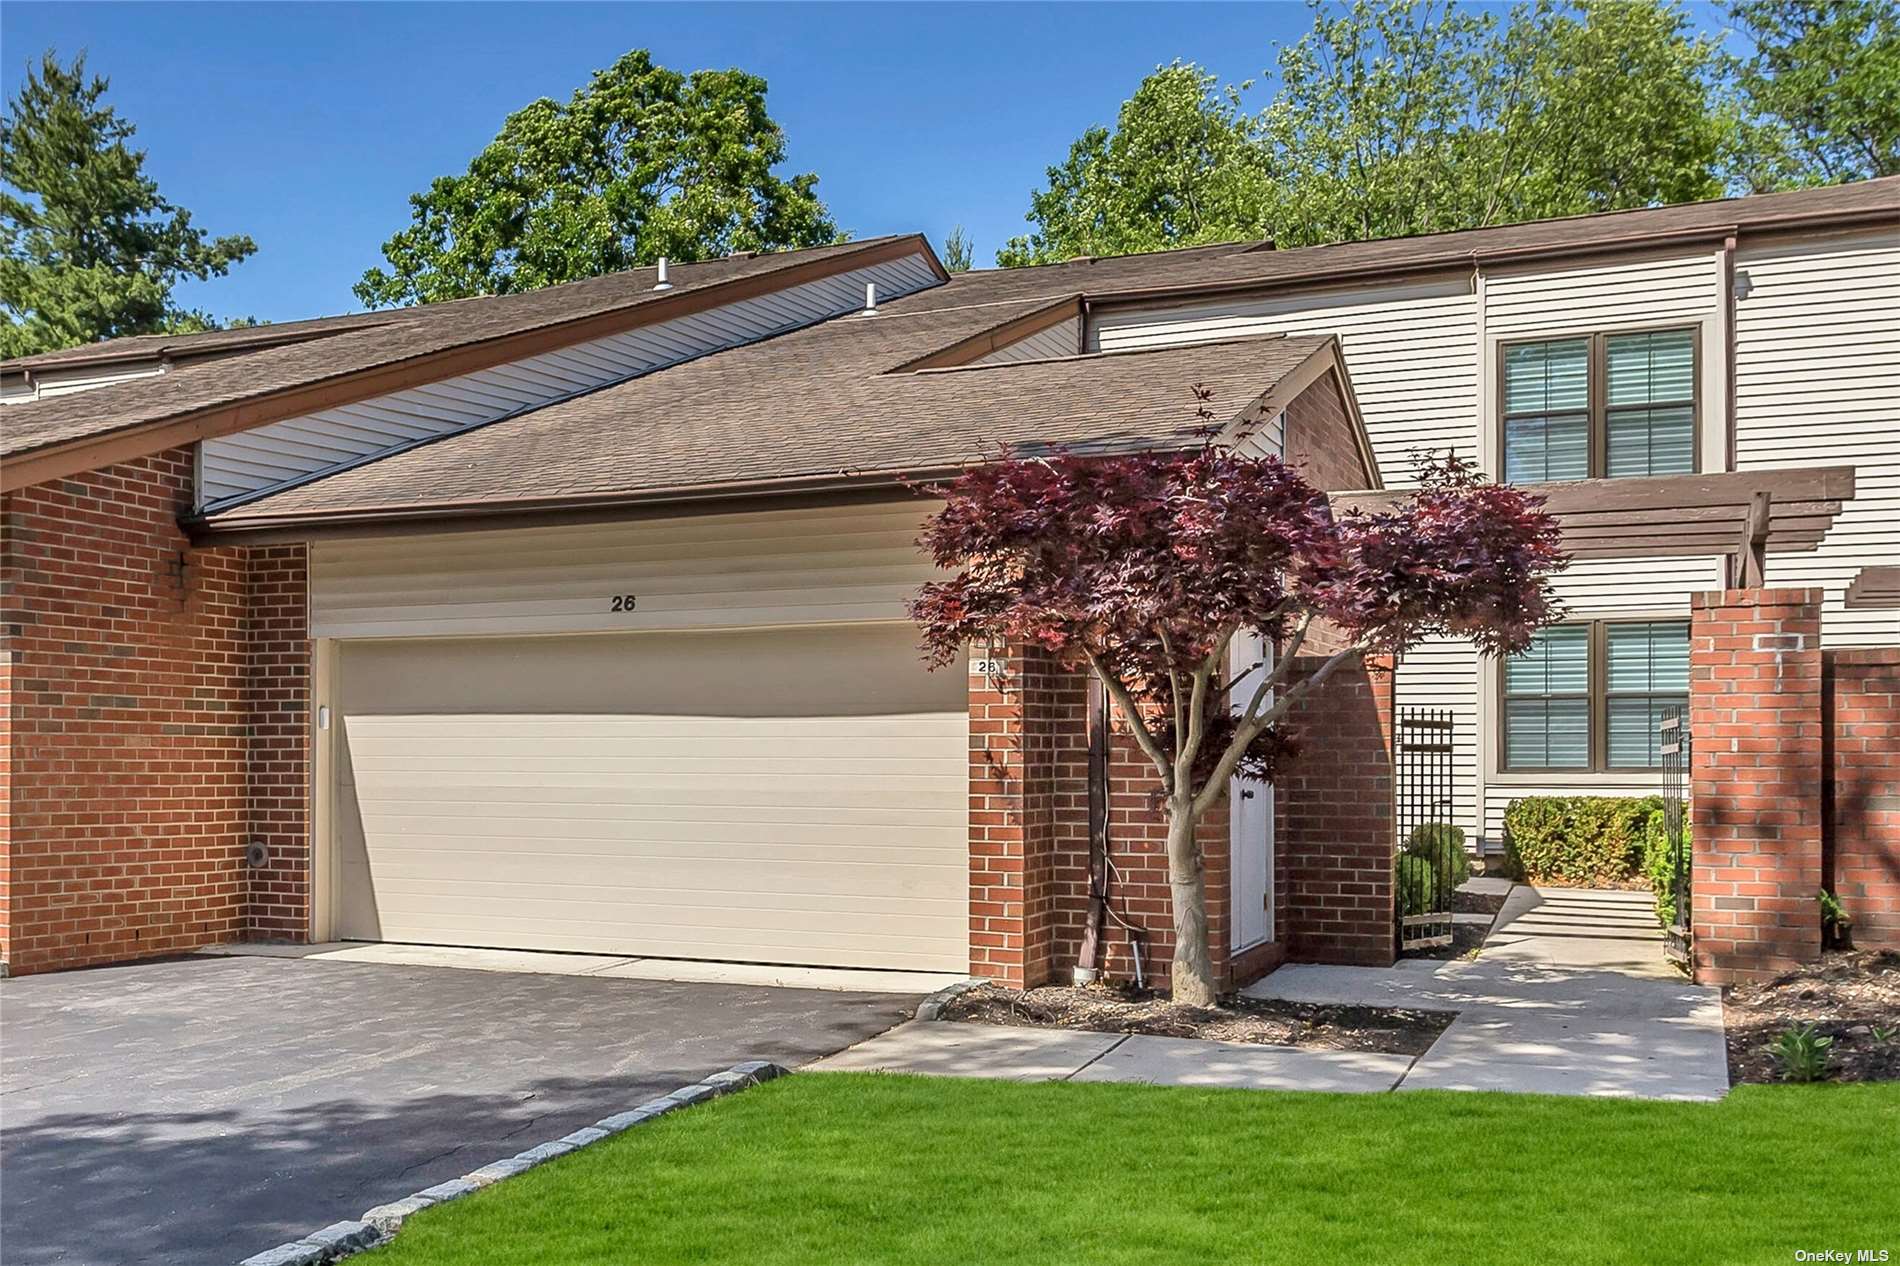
x,y
1418,117
1181,167
1821,91
956,251
641,163
88,247
1395,117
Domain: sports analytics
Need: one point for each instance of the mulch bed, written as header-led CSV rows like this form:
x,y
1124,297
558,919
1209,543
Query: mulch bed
x,y
1845,996
1120,1009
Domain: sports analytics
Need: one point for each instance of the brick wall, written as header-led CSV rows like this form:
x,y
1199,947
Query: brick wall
x,y
1029,886
1861,745
277,705
128,693
1320,439
1334,817
1755,712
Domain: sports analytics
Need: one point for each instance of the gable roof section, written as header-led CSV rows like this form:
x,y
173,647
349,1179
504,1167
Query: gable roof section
x,y
46,438
229,381
815,409
1251,266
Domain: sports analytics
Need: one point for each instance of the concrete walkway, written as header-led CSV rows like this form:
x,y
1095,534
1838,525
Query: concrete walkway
x,y
1571,994
947,1049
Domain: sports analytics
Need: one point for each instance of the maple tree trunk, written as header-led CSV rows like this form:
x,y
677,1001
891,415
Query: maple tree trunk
x,y
1192,976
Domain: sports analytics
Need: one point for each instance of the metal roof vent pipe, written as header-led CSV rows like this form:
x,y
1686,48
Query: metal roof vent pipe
x,y
662,283
870,299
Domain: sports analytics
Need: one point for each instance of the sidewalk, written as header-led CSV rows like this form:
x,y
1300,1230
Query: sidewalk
x,y
1571,995
949,1049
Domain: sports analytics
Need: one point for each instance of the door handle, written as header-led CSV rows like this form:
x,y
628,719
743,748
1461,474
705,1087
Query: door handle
x,y
1245,794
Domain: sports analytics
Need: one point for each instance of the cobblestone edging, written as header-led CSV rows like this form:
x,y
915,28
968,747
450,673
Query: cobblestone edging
x,y
343,1239
931,1008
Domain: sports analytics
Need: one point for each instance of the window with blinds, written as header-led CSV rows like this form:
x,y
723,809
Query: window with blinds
x,y
1599,406
1591,695
1646,669
1547,411
1547,701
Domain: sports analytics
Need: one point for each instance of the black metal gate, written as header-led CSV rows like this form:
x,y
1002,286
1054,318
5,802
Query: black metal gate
x,y
1429,844
1676,746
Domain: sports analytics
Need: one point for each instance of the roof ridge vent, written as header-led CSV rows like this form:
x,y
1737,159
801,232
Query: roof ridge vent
x,y
870,299
662,283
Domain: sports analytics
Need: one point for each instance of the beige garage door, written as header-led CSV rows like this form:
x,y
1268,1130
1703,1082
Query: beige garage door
x,y
778,796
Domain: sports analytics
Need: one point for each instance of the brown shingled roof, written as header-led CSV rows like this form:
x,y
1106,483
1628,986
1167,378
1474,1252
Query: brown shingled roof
x,y
818,405
1255,265
243,383
198,386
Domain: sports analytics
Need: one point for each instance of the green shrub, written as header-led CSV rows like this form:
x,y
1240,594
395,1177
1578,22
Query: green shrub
x,y
1443,841
1431,845
1415,884
1578,839
1659,862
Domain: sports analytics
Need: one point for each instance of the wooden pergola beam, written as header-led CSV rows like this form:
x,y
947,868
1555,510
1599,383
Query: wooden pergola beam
x,y
1744,515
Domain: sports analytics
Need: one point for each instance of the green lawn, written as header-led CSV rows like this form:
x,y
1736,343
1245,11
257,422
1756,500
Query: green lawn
x,y
862,1168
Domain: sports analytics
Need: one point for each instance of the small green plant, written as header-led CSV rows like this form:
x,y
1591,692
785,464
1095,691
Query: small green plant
x,y
1836,923
1883,1034
1802,1053
1660,853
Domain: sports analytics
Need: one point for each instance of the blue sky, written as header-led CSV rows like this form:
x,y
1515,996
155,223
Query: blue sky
x,y
308,125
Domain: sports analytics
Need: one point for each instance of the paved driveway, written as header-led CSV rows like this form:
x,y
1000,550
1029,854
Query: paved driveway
x,y
199,1110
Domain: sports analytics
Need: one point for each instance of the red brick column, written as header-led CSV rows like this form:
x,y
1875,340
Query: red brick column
x,y
1755,714
1335,820
277,707
1013,876
1861,740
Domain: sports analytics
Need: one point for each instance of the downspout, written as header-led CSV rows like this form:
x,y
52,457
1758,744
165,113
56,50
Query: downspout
x,y
1088,959
1728,344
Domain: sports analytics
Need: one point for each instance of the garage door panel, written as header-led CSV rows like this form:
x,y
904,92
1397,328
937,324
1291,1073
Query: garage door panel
x,y
794,795
590,877
912,952
730,839
508,814
733,788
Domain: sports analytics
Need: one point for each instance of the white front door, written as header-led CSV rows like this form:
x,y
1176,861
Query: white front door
x,y
1250,823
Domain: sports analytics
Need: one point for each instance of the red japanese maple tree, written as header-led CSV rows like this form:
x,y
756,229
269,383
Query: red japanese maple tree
x,y
1142,568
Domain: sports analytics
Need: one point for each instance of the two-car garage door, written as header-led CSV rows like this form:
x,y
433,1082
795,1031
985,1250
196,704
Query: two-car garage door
x,y
766,795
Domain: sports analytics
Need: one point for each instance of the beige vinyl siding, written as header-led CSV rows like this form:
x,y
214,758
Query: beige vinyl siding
x,y
1442,673
825,566
1050,344
781,796
1411,351
1817,378
1265,440
1596,295
282,452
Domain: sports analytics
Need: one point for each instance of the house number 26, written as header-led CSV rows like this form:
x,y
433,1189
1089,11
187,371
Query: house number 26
x,y
620,602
